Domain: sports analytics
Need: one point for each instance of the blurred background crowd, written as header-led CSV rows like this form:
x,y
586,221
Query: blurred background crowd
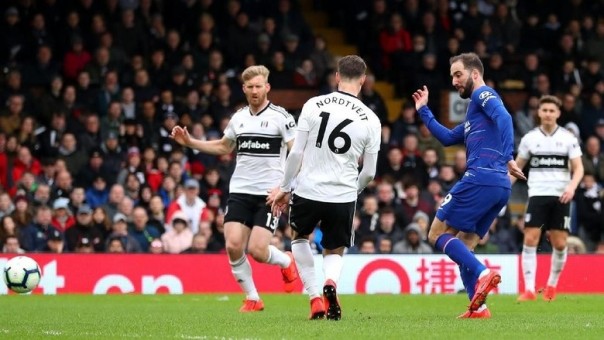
x,y
90,90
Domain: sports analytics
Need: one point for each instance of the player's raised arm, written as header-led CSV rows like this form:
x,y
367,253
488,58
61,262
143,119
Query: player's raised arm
x,y
445,136
214,147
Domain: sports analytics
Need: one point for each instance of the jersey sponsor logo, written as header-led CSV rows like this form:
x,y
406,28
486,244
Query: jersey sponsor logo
x,y
259,145
484,94
290,125
549,161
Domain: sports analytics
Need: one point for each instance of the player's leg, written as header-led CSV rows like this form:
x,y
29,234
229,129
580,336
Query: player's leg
x,y
303,219
259,247
487,280
461,210
337,227
236,235
560,225
467,277
534,219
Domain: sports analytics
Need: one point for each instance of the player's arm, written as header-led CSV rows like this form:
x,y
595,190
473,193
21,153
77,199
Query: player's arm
x,y
445,136
520,162
576,167
221,146
368,171
294,161
494,109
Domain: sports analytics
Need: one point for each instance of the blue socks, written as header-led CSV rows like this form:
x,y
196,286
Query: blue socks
x,y
460,254
469,280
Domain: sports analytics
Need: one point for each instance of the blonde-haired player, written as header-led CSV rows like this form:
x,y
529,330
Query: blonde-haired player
x,y
262,133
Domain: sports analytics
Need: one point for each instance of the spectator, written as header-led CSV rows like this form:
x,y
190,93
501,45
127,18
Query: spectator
x,y
369,217
412,202
394,41
10,121
75,59
6,205
593,159
73,156
34,236
590,200
63,184
322,59
42,70
367,245
370,97
22,214
84,246
101,221
49,139
119,233
62,218
11,245
198,246
156,247
191,205
384,245
84,229
55,243
387,226
413,242
115,245
156,213
180,236
141,230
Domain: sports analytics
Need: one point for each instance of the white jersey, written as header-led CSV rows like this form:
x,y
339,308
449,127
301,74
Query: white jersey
x,y
341,128
261,148
548,158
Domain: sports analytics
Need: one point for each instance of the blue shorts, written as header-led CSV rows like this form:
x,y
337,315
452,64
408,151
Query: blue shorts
x,y
472,208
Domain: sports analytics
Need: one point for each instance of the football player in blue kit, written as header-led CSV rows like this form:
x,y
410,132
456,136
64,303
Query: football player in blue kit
x,y
468,210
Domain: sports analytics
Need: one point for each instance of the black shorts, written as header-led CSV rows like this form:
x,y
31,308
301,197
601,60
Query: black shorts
x,y
250,210
335,218
548,213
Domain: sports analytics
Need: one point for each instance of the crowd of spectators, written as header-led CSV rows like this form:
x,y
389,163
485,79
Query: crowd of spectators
x,y
90,90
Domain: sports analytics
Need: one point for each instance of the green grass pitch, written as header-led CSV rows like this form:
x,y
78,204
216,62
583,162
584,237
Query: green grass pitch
x,y
364,317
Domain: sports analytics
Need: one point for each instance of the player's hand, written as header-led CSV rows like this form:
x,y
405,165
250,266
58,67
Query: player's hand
x,y
567,195
515,170
420,97
180,135
278,200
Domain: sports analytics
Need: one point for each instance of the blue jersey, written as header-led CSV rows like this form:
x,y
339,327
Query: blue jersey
x,y
487,134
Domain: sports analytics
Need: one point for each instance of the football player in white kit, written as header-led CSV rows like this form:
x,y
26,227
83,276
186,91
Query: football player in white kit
x,y
334,132
262,133
552,153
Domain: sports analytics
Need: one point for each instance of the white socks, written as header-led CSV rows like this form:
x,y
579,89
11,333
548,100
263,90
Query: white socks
x,y
306,266
332,267
242,271
278,257
529,267
558,261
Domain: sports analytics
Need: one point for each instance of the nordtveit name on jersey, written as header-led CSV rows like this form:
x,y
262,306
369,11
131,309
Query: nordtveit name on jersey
x,y
345,103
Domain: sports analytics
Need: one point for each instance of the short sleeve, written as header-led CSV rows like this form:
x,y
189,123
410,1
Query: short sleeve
x,y
288,128
574,150
375,138
229,132
523,149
